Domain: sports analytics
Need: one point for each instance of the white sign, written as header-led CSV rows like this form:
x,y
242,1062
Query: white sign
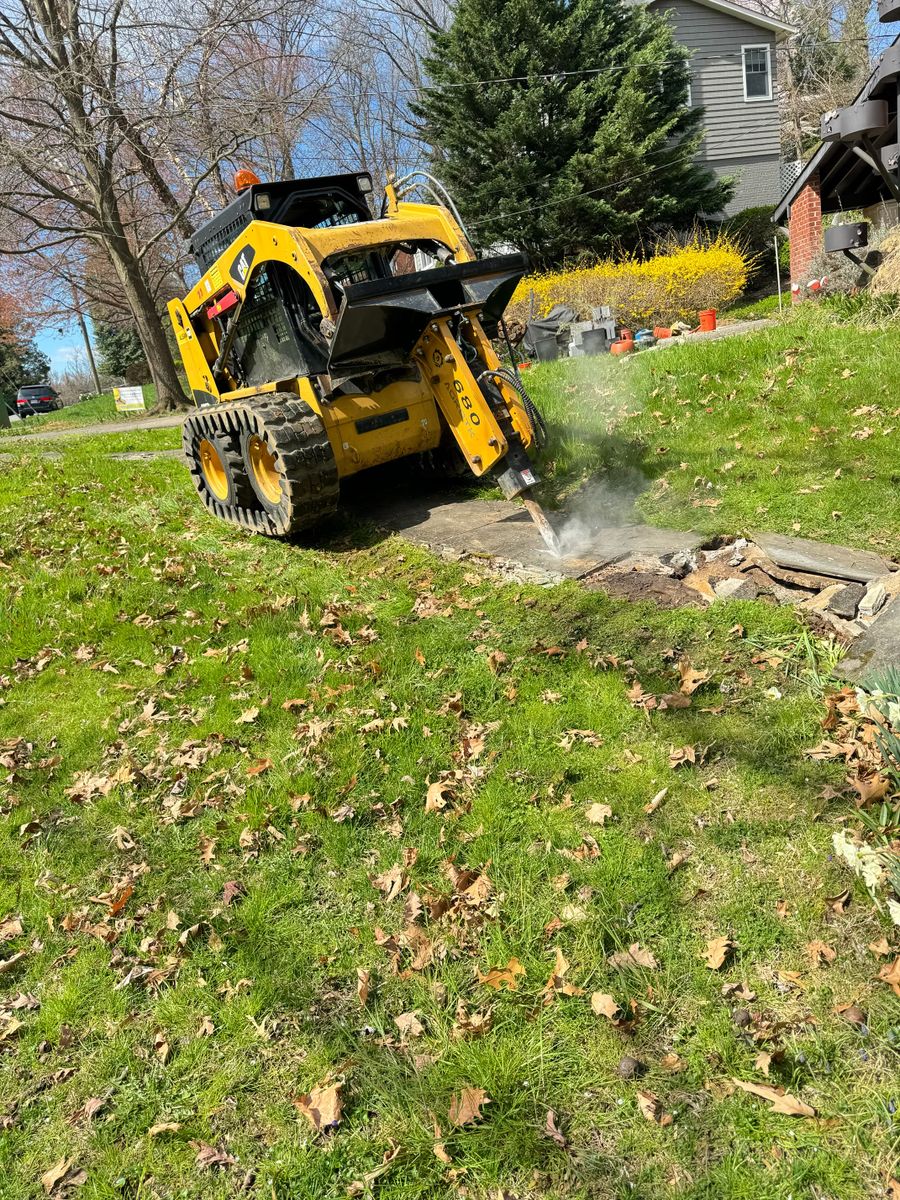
x,y
129,399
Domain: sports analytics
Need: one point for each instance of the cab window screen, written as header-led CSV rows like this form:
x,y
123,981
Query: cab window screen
x,y
264,341
318,212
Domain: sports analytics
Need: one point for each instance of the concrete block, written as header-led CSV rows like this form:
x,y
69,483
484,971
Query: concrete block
x,y
845,601
735,588
874,599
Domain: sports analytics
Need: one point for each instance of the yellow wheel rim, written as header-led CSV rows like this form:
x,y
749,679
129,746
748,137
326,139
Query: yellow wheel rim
x,y
213,470
264,469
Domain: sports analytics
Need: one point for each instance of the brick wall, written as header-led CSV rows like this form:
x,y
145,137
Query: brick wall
x,y
805,226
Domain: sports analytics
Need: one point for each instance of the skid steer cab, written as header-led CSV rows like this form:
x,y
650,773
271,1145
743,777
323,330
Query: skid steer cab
x,y
321,341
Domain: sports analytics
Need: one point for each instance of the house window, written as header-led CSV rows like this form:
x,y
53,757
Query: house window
x,y
757,73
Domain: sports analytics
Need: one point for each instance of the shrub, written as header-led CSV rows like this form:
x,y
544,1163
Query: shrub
x,y
673,285
753,231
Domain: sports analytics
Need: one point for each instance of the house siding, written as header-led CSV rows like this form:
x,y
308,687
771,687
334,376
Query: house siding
x,y
757,181
742,137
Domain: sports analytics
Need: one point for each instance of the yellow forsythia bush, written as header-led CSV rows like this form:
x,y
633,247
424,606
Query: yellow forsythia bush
x,y
673,285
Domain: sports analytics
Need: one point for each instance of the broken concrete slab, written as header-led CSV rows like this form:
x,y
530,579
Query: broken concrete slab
x,y
823,558
875,598
845,601
735,588
497,528
875,650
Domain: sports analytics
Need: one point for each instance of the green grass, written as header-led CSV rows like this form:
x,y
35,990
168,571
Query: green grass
x,y
96,411
749,309
790,429
136,631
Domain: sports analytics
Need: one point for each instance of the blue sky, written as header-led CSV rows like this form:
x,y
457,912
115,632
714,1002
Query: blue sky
x,y
63,346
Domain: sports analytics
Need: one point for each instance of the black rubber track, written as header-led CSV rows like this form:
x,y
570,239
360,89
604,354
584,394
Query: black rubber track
x,y
240,490
296,437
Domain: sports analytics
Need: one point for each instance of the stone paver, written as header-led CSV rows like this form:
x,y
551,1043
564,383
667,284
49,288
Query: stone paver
x,y
875,650
823,558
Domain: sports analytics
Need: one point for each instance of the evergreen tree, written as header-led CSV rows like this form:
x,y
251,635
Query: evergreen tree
x,y
562,126
119,347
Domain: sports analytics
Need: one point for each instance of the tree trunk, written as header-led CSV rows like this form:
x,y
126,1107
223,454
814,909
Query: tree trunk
x,y
169,394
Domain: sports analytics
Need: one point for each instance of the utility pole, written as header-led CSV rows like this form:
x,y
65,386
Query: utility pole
x,y
87,341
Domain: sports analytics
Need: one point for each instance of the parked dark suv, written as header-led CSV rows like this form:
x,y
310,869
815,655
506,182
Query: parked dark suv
x,y
38,399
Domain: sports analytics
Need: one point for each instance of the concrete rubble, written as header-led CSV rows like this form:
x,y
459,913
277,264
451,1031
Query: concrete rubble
x,y
853,594
838,588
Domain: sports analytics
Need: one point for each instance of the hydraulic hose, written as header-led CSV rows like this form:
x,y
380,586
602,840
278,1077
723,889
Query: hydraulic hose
x,y
534,414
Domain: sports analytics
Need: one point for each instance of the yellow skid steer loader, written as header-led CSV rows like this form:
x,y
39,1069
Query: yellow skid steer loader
x,y
321,341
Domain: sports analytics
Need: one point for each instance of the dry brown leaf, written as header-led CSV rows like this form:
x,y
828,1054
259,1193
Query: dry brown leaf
x,y
781,909
496,661
409,1025
390,883
10,927
553,1131
247,717
717,950
598,814
500,977
121,899
781,1101
677,860
681,755
820,953
7,964
56,1174
557,981
881,947
651,1108
161,1047
890,974
605,1006
691,679
232,891
763,1061
207,1028
209,1157
163,1127
260,767
363,978
322,1106
438,1147
634,956
439,795
838,904
466,1105
672,1062
207,847
652,805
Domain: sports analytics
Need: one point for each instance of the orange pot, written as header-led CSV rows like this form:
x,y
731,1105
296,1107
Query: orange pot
x,y
622,346
661,331
707,320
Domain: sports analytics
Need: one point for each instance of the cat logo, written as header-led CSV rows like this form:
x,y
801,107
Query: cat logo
x,y
240,268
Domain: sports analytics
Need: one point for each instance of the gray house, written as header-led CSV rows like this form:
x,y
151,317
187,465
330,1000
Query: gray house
x,y
733,78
